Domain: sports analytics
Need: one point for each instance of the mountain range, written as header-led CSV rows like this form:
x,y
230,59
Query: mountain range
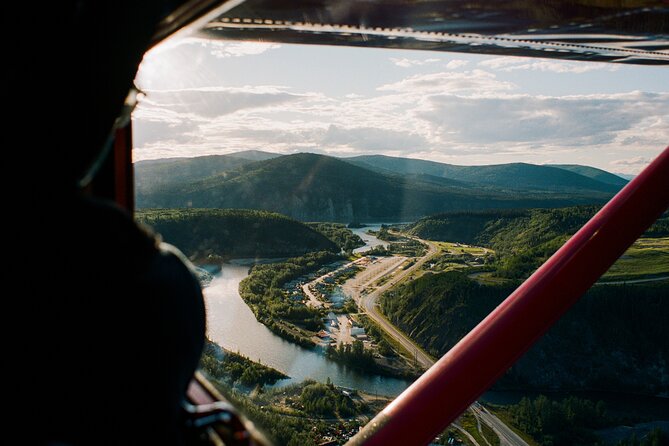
x,y
311,187
523,176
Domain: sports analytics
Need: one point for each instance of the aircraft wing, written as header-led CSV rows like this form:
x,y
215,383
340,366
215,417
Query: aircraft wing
x,y
623,31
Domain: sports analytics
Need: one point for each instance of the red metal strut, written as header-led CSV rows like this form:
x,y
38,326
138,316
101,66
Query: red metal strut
x,y
438,397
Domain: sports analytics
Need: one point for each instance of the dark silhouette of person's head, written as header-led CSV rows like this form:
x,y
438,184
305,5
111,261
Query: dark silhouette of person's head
x,y
72,64
117,318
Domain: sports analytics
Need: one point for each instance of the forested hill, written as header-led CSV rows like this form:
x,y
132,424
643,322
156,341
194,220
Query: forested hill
x,y
616,338
152,176
312,187
594,173
234,233
522,239
516,176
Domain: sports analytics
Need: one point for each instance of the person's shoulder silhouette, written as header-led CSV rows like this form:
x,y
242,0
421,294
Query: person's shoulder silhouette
x,y
111,321
125,326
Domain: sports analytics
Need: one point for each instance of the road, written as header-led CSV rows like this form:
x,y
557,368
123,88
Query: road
x,y
623,282
343,336
368,304
505,434
466,434
313,300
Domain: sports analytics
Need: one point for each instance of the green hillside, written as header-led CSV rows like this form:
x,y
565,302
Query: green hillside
x,y
523,239
313,187
339,234
156,175
254,155
234,233
517,176
594,173
615,338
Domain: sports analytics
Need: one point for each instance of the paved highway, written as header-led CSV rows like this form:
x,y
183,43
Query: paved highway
x,y
505,434
623,282
367,302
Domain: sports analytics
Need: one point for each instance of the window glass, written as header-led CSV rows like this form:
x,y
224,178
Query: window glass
x,y
353,212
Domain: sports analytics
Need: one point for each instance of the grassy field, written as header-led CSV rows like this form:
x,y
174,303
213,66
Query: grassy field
x,y
457,256
461,248
647,258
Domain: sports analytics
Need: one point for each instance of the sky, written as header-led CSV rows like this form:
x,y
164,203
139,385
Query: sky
x,y
206,97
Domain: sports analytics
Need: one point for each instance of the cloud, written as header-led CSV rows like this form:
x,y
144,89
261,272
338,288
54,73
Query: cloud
x,y
372,139
456,128
193,62
469,82
408,63
572,121
210,102
508,64
468,117
224,50
637,160
176,133
631,166
456,63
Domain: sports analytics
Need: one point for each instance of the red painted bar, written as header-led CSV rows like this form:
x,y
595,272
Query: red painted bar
x,y
438,397
124,183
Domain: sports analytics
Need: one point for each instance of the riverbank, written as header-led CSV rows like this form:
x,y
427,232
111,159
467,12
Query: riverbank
x,y
232,324
306,413
272,306
276,294
235,369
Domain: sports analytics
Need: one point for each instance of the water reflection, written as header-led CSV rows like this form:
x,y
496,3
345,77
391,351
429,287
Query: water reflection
x,y
370,240
232,324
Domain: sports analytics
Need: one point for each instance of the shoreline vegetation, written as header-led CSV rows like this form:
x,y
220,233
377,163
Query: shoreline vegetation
x,y
234,368
301,414
305,414
262,292
214,235
339,234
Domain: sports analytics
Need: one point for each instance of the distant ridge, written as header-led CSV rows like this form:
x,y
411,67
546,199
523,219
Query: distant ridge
x,y
161,174
594,173
311,187
254,155
521,176
626,176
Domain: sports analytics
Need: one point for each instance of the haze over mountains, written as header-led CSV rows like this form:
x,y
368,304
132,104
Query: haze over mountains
x,y
514,175
312,187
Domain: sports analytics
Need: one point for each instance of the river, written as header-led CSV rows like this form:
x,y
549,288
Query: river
x,y
370,240
232,324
